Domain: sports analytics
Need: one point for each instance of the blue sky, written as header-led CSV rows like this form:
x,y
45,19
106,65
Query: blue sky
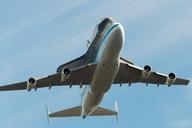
x,y
37,36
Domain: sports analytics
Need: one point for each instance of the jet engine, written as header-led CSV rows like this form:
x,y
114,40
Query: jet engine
x,y
171,79
65,73
147,71
31,83
147,68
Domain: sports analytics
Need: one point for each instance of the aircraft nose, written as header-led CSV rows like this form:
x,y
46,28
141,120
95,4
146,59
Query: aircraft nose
x,y
117,35
118,30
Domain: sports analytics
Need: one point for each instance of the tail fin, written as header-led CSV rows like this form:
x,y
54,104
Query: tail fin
x,y
117,110
47,111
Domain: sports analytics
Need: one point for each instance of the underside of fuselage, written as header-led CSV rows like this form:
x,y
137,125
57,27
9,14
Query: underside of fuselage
x,y
108,64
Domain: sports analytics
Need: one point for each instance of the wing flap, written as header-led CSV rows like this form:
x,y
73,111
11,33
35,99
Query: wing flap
x,y
17,86
180,81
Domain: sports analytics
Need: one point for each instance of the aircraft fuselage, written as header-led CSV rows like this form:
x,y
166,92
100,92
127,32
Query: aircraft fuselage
x,y
108,65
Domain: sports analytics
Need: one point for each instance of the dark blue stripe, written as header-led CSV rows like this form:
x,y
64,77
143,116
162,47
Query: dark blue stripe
x,y
107,33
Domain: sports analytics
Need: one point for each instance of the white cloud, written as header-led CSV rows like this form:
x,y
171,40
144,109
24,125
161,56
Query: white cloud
x,y
44,16
183,124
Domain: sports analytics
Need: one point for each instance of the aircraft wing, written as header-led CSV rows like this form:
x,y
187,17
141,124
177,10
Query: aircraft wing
x,y
129,73
79,76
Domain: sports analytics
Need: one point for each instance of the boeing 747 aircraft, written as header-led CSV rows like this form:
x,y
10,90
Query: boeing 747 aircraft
x,y
98,69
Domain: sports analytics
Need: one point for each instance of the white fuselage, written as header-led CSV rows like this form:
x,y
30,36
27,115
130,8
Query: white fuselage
x,y
106,70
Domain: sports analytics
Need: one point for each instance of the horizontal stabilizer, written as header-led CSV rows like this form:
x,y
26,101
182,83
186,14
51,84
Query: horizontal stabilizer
x,y
103,112
77,111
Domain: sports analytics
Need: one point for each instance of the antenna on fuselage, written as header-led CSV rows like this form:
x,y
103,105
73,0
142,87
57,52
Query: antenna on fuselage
x,y
88,43
83,93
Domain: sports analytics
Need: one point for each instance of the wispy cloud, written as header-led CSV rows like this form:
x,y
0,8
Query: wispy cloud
x,y
45,16
183,124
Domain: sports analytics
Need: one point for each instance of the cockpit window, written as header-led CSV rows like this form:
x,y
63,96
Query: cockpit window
x,y
103,24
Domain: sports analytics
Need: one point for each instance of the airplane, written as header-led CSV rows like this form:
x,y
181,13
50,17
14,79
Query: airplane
x,y
97,70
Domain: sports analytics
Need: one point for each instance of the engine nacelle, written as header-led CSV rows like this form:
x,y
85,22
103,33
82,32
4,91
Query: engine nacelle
x,y
31,83
147,71
171,79
65,74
